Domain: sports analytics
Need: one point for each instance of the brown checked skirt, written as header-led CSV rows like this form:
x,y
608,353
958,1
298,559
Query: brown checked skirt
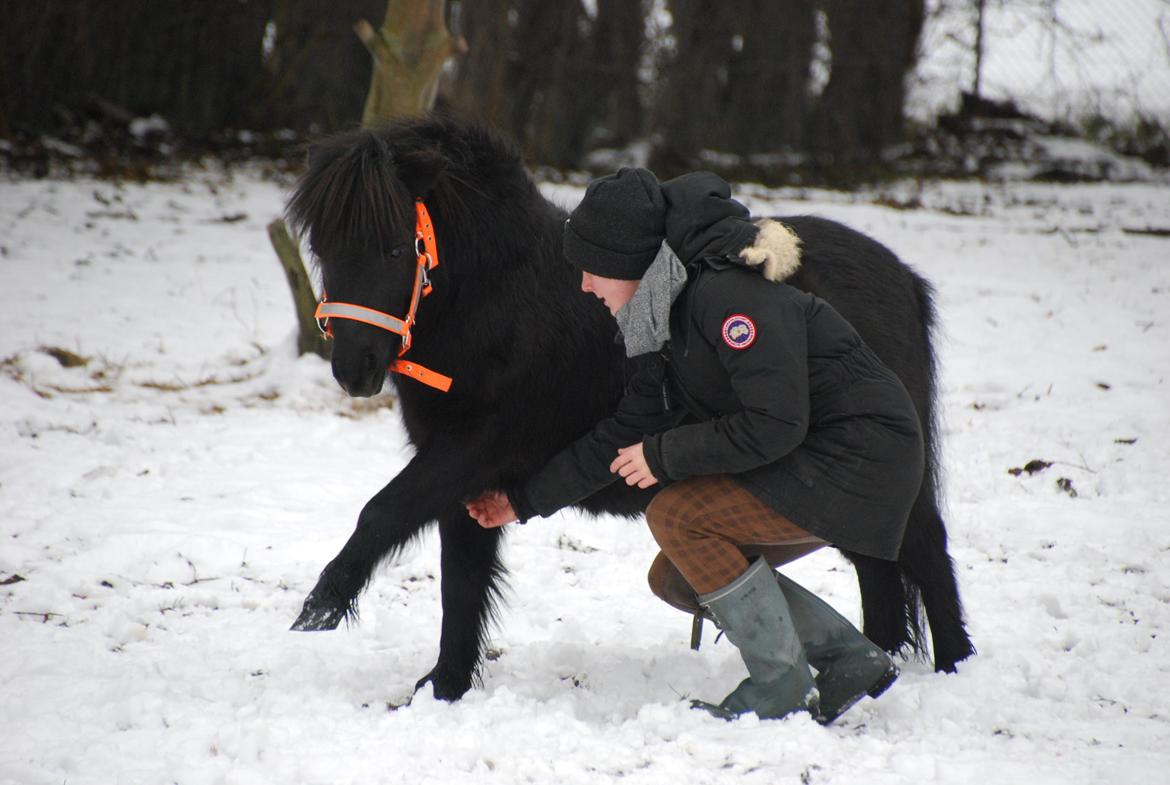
x,y
707,525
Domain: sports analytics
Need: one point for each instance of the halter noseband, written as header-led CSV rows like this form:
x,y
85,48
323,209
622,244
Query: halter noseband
x,y
427,260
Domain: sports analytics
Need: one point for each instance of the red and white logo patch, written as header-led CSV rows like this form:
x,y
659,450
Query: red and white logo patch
x,y
739,332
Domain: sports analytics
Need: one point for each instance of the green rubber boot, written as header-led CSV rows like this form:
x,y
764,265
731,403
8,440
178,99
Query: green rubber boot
x,y
755,617
849,665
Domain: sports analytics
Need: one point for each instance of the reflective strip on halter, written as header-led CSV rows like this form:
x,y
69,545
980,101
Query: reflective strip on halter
x,y
360,313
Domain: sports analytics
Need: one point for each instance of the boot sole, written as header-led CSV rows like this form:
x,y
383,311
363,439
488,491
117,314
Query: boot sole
x,y
883,684
876,689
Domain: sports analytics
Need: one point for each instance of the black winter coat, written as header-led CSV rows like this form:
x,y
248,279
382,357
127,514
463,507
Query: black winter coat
x,y
760,381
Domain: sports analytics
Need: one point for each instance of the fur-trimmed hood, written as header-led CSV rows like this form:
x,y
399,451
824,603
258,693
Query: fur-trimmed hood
x,y
705,225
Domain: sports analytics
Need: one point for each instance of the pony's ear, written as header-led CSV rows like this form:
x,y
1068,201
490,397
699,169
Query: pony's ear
x,y
420,169
314,152
320,154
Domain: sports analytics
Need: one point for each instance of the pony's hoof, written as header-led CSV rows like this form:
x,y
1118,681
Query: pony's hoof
x,y
318,616
947,657
447,686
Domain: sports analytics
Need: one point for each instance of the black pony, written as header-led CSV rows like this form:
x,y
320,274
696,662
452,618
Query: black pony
x,y
535,365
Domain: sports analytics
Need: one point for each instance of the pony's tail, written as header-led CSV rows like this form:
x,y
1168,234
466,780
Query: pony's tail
x,y
916,632
927,503
930,591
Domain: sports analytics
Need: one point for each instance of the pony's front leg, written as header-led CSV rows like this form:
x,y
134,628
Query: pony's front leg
x,y
380,532
390,520
471,574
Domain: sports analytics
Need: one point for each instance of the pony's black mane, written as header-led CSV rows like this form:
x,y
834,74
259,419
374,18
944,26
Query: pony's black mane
x,y
347,192
359,186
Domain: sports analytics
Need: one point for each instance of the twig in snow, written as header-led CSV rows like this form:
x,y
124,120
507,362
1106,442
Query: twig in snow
x,y
45,615
1083,465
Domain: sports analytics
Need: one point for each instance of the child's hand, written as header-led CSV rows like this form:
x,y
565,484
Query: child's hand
x,y
631,464
491,510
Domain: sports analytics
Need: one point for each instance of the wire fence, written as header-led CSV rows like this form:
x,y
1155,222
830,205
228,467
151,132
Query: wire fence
x,y
1063,60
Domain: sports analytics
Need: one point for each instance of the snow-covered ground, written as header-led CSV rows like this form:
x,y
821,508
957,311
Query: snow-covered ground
x,y
165,507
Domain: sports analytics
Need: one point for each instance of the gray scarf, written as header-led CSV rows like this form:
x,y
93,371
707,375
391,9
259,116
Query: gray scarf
x,y
645,319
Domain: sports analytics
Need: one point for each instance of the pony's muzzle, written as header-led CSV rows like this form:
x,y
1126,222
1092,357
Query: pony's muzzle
x,y
359,370
370,380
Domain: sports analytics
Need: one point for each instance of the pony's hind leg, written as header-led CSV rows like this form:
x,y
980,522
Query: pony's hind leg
x,y
884,604
927,564
471,574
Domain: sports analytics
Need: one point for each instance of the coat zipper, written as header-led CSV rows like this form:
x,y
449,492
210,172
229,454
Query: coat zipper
x,y
665,354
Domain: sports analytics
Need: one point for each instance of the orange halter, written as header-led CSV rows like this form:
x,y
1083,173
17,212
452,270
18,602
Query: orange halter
x,y
427,260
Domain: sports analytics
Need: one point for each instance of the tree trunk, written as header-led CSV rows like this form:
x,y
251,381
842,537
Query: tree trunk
x,y
554,101
618,36
549,75
977,88
767,102
309,337
689,109
481,85
318,76
873,48
409,51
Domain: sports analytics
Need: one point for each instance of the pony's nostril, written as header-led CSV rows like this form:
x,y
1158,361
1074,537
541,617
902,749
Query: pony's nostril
x,y
369,363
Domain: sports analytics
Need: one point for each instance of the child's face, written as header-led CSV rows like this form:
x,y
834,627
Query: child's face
x,y
614,292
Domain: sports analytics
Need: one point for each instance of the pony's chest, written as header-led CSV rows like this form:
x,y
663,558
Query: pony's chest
x,y
424,413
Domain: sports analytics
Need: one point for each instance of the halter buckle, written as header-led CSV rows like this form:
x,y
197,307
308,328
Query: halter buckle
x,y
323,321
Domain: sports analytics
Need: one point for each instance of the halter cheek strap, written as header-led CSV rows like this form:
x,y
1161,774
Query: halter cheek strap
x,y
427,254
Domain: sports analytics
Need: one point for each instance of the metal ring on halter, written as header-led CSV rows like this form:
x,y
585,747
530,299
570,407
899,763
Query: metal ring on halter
x,y
420,249
323,321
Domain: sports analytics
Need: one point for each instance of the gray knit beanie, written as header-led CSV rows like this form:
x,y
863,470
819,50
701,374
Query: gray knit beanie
x,y
617,229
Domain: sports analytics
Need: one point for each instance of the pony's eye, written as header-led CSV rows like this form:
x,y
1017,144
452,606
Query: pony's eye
x,y
396,253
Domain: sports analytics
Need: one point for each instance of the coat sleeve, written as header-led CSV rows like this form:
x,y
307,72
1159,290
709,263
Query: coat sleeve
x,y
769,375
582,468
